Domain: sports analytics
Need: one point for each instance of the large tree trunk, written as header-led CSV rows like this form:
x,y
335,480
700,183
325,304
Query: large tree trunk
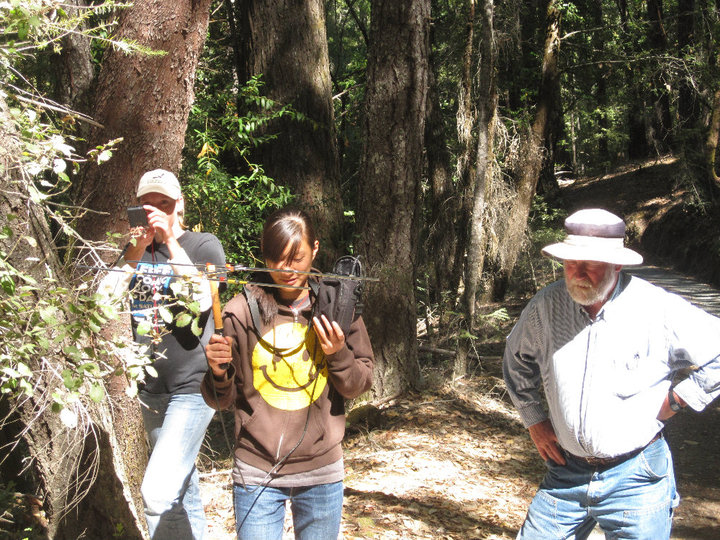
x,y
485,105
61,463
532,151
286,42
145,100
392,170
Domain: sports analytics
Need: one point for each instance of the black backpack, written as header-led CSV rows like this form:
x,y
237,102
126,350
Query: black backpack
x,y
337,298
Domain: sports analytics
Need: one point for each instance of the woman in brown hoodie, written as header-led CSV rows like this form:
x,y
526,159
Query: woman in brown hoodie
x,y
287,382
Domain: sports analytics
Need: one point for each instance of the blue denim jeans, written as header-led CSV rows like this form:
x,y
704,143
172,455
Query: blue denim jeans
x,y
316,511
633,499
175,425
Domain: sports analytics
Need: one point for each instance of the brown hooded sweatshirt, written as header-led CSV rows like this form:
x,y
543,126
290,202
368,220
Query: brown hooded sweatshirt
x,y
272,394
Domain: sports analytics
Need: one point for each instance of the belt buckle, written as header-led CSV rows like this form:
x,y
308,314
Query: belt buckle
x,y
598,461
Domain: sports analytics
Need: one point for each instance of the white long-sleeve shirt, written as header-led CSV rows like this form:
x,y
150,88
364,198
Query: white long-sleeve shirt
x,y
605,379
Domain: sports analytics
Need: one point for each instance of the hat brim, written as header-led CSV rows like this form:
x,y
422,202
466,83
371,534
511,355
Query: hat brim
x,y
622,256
169,191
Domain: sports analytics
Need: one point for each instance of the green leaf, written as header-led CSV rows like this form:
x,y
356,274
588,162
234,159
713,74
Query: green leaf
x,y
183,320
7,284
97,393
165,314
73,352
195,327
143,328
68,380
47,314
43,342
24,370
11,373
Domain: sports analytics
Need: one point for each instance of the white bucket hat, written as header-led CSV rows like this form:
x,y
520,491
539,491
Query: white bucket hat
x,y
159,181
594,235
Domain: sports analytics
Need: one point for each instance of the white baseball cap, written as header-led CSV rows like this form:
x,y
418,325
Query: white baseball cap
x,y
159,181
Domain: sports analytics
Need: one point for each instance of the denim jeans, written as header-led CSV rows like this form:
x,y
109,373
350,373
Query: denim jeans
x,y
633,499
175,425
316,511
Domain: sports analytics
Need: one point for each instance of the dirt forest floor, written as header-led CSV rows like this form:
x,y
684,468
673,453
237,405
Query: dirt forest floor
x,y
453,461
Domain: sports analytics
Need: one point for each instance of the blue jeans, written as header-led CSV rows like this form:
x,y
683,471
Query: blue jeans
x,y
316,511
175,425
633,499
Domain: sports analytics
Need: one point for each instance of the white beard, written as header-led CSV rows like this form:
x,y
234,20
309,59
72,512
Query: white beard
x,y
582,291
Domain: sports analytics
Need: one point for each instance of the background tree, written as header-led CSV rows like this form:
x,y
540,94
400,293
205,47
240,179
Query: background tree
x,y
145,100
56,426
285,41
532,146
389,199
479,190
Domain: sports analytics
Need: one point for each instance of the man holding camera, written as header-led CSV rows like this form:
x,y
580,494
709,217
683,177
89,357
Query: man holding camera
x,y
162,256
605,347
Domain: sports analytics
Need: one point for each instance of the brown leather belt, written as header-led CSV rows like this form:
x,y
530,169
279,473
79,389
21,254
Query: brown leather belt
x,y
604,462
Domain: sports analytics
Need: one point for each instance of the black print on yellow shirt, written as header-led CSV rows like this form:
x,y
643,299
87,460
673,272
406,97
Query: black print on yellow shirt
x,y
295,380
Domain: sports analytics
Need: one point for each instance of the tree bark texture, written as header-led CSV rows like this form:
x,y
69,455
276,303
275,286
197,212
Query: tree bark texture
x,y
145,100
286,42
466,122
531,149
688,106
485,103
389,195
75,68
62,463
711,144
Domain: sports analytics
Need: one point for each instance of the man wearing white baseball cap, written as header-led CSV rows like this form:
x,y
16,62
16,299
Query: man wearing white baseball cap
x,y
605,348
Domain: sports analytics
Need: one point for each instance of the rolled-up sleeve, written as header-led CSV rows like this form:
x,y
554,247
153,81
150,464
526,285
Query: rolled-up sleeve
x,y
694,345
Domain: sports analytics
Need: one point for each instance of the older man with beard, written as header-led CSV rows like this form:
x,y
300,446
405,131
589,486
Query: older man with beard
x,y
607,349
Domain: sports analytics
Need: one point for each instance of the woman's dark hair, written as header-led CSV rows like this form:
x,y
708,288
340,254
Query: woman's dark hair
x,y
286,227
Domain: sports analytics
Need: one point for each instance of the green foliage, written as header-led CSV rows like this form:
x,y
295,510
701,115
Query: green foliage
x,y
44,319
546,224
226,193
51,324
347,23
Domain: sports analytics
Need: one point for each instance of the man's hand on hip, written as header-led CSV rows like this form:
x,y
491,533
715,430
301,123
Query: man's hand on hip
x,y
543,435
